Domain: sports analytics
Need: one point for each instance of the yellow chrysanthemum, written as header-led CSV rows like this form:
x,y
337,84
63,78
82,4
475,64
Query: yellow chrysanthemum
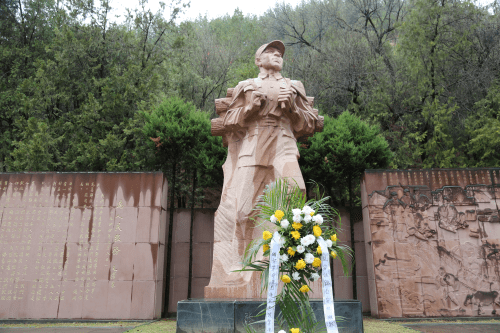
x,y
316,262
279,214
317,231
265,247
312,213
295,234
333,254
286,279
267,235
294,330
291,251
296,225
301,264
334,238
304,288
319,250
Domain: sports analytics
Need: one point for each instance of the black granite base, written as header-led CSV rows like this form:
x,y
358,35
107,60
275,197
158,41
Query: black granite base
x,y
230,316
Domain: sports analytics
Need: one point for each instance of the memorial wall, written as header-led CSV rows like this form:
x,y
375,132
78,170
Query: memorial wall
x,y
82,245
432,240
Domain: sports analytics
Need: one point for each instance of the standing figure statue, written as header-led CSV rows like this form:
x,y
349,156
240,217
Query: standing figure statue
x,y
261,120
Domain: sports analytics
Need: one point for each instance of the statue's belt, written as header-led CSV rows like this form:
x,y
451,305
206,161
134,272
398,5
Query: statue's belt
x,y
271,121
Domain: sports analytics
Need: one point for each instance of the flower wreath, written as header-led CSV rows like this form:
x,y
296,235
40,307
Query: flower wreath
x,y
283,208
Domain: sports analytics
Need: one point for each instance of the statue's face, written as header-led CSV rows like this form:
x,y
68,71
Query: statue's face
x,y
271,58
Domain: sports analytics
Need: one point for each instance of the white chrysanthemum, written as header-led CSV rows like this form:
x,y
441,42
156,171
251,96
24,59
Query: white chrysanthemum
x,y
297,218
284,223
318,219
307,218
296,276
329,243
314,276
284,258
309,258
307,210
307,240
273,219
281,331
296,211
300,249
282,241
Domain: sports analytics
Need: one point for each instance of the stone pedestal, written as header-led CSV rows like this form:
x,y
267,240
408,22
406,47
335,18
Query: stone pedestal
x,y
229,315
249,290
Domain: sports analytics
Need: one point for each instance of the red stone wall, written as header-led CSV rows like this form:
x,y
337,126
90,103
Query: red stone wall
x,y
92,246
82,245
432,242
203,239
343,287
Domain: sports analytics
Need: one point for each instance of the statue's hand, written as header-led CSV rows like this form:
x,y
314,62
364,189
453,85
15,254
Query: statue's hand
x,y
286,99
257,100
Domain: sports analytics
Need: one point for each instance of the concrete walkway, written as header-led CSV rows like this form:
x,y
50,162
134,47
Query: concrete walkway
x,y
455,328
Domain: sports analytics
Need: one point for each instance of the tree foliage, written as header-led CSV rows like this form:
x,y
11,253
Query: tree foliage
x,y
181,139
416,69
77,86
484,129
337,157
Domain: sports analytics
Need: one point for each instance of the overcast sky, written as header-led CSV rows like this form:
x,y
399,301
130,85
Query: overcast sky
x,y
214,8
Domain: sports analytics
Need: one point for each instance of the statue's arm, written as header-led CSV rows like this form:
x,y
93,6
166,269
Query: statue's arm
x,y
302,117
239,110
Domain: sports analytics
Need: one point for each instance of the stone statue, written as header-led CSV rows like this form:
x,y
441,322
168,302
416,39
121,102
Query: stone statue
x,y
261,120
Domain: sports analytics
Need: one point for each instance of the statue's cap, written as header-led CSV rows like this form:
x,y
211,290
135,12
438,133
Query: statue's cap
x,y
275,43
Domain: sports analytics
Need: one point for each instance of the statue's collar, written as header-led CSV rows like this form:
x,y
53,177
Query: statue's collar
x,y
276,76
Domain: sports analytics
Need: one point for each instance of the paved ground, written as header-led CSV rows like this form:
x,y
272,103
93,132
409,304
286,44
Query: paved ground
x,y
66,330
454,328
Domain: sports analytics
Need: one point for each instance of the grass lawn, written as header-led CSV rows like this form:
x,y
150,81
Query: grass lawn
x,y
164,326
69,324
371,325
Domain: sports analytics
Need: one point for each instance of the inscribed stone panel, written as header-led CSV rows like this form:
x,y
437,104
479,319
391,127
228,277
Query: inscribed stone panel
x,y
67,240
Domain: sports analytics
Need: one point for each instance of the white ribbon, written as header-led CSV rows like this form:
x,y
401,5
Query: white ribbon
x,y
272,287
328,308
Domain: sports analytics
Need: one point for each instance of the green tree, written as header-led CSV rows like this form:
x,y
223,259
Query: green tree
x,y
441,150
437,43
25,28
337,157
89,83
180,136
484,129
36,150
